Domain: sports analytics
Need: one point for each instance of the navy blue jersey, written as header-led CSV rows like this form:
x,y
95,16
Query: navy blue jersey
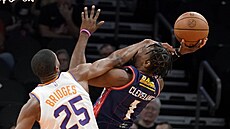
x,y
118,107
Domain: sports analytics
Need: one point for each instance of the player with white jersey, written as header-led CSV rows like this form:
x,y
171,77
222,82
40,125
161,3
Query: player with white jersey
x,y
64,99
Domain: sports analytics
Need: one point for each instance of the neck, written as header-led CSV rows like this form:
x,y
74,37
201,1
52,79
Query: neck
x,y
146,124
49,78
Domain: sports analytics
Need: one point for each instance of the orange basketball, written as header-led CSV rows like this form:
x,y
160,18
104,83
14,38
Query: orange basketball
x,y
192,27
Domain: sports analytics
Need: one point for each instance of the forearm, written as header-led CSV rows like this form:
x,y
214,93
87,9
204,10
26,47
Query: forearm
x,y
123,55
116,59
78,56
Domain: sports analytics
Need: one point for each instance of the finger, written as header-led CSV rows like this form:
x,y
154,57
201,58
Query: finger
x,y
183,43
203,42
97,14
82,16
100,24
170,49
198,45
86,13
92,12
166,44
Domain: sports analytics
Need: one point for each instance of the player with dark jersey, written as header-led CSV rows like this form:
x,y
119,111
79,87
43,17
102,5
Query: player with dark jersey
x,y
131,97
118,106
129,89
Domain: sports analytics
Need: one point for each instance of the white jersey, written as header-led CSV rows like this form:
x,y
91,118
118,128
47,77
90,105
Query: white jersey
x,y
65,104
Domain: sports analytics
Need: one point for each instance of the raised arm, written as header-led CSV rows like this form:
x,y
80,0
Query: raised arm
x,y
88,26
116,59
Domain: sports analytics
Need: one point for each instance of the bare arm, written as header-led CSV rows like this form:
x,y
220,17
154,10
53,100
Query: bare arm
x,y
29,113
114,77
90,24
116,59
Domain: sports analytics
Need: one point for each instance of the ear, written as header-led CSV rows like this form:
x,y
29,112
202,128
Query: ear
x,y
147,63
56,69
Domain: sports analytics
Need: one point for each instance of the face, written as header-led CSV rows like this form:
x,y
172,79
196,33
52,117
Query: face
x,y
150,112
106,51
153,60
64,61
141,59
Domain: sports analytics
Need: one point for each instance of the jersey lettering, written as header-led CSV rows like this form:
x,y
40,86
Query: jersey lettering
x,y
132,106
64,108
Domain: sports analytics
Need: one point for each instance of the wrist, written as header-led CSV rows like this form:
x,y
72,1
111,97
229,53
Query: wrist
x,y
177,52
85,31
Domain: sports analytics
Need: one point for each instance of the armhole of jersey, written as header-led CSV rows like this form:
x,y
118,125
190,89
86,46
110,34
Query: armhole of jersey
x,y
129,83
35,96
71,75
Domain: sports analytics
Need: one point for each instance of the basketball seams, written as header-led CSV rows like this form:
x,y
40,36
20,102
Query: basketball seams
x,y
191,17
191,29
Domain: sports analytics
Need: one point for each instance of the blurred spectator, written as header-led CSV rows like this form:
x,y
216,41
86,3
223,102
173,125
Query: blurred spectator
x,y
164,125
22,12
148,116
4,55
59,20
7,16
105,50
64,59
38,4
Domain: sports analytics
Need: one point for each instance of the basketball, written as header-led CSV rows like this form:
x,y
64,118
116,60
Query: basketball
x,y
192,27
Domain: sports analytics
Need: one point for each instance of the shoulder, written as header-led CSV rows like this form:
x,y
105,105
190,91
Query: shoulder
x,y
81,70
131,69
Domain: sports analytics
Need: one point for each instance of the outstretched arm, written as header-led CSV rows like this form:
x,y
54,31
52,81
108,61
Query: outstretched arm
x,y
89,25
116,59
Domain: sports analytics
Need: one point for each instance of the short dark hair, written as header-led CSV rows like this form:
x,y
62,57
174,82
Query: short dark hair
x,y
160,58
43,63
